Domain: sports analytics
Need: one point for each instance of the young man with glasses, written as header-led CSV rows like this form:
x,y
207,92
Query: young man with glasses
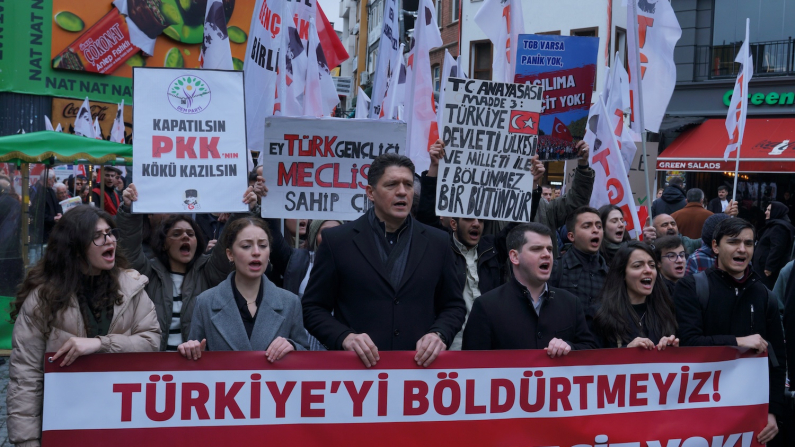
x,y
671,258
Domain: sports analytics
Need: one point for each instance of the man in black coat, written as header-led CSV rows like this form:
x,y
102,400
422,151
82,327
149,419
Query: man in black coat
x,y
525,312
673,198
479,259
720,203
738,310
389,280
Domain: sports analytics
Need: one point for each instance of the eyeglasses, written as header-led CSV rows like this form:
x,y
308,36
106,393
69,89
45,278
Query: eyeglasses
x,y
176,234
674,256
101,239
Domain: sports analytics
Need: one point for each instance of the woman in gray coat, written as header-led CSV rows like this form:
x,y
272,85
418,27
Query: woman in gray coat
x,y
246,312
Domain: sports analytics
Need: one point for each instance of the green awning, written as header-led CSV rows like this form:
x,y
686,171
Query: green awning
x,y
39,147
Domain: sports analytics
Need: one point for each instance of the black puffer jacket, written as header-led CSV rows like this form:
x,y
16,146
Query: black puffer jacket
x,y
734,309
673,199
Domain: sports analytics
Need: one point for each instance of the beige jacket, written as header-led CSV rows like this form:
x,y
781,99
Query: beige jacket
x,y
134,328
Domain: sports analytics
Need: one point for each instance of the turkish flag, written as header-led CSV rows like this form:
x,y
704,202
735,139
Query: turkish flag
x,y
559,130
524,122
333,49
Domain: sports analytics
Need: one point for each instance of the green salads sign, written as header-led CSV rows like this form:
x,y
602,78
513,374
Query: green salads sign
x,y
758,99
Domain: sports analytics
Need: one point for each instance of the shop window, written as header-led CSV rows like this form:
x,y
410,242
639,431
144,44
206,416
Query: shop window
x,y
437,78
455,10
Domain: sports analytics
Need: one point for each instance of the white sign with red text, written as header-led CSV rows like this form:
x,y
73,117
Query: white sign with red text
x,y
316,168
189,151
324,398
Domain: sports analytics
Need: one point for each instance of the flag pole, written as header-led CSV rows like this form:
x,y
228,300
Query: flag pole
x,y
637,73
744,98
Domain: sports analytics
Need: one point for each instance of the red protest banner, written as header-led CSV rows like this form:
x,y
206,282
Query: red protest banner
x,y
696,396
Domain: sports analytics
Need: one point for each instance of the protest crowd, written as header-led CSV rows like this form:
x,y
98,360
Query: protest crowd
x,y
446,234
400,278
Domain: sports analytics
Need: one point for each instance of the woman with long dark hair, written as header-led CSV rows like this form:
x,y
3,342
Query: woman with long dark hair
x,y
614,226
636,310
246,312
79,299
179,270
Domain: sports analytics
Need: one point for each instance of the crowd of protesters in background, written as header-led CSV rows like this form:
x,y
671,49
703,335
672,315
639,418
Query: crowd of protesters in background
x,y
399,277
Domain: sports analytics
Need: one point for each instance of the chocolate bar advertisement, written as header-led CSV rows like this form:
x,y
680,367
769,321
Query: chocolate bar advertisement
x,y
80,48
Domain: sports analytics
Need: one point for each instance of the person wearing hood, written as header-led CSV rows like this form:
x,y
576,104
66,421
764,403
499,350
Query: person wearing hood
x,y
704,258
673,198
775,245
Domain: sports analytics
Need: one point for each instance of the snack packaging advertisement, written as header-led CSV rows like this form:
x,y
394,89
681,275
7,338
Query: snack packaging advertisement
x,y
80,48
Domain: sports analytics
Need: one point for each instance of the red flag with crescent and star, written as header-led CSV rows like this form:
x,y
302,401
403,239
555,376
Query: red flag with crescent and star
x,y
559,130
524,122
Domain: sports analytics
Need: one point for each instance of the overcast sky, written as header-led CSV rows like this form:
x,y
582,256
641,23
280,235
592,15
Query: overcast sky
x,y
332,10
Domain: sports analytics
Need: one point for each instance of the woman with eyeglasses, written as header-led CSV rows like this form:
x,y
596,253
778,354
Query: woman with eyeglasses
x,y
672,258
79,299
615,232
636,310
179,270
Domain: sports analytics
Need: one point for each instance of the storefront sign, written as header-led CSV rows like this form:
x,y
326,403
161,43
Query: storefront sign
x,y
190,152
629,397
79,36
317,168
758,99
64,112
344,85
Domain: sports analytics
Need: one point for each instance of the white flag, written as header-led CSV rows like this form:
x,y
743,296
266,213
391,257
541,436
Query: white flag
x,y
97,129
47,123
292,79
320,95
450,70
502,21
259,70
362,105
611,183
117,131
59,128
388,48
461,72
738,108
658,32
83,124
216,52
421,122
388,108
616,97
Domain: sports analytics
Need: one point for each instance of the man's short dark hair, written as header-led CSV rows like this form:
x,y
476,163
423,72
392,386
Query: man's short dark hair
x,y
546,187
695,195
676,181
723,188
571,219
730,228
516,237
383,161
666,243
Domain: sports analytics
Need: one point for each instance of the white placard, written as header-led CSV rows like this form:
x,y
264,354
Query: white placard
x,y
189,151
316,168
490,130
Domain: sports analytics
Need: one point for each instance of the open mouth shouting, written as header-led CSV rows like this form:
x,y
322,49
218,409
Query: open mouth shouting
x,y
545,268
109,254
595,241
255,265
647,283
740,260
474,234
401,205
